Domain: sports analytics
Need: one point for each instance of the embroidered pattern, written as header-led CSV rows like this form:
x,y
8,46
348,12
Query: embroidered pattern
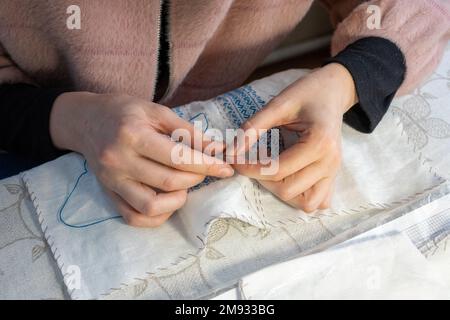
x,y
240,104
417,119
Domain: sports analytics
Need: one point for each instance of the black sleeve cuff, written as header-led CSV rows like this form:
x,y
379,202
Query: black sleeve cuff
x,y
25,121
378,68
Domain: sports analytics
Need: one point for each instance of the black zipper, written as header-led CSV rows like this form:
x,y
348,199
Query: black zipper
x,y
163,77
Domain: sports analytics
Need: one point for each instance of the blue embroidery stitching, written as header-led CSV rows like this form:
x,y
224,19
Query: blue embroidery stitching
x,y
241,104
61,210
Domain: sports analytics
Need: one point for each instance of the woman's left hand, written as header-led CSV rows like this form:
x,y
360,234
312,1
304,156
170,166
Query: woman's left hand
x,y
312,106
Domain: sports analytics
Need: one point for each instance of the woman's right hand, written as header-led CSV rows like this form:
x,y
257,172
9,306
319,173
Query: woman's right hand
x,y
126,142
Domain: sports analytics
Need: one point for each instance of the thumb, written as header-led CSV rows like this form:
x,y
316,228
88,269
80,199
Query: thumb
x,y
276,113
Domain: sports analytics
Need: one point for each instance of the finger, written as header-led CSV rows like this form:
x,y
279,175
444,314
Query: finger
x,y
326,204
194,137
162,177
310,200
134,218
279,111
181,157
146,201
294,159
294,185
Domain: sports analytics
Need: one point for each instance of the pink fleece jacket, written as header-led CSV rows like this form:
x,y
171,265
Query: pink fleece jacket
x,y
214,44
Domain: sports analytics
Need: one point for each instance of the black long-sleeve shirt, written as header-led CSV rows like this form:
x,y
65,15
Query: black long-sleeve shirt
x,y
376,64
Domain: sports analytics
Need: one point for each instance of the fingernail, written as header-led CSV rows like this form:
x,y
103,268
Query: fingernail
x,y
226,172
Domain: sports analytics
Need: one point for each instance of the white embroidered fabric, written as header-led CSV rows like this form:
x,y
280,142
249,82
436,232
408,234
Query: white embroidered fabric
x,y
380,171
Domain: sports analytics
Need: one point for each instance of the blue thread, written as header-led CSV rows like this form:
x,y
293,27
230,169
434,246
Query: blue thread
x,y
60,212
206,119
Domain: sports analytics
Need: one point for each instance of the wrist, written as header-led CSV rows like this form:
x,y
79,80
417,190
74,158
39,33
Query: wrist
x,y
342,83
68,120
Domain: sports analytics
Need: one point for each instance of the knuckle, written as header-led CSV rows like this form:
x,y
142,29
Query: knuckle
x,y
149,208
286,193
164,111
326,140
325,205
308,206
170,183
213,170
247,125
163,114
131,220
161,109
108,158
125,134
279,176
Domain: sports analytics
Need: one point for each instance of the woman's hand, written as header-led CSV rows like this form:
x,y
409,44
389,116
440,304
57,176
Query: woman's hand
x,y
126,142
313,107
